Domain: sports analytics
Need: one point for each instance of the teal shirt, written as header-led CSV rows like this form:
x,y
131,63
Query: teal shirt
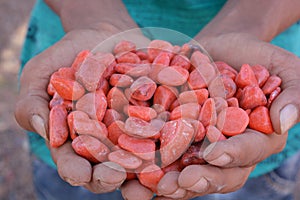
x,y
185,16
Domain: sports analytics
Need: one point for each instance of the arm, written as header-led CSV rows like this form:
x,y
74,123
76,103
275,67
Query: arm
x,y
94,14
261,19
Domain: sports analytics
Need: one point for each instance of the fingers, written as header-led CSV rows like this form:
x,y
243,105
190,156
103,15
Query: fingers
x,y
77,171
107,177
168,186
244,150
133,190
285,108
32,113
72,168
200,180
206,179
189,195
284,111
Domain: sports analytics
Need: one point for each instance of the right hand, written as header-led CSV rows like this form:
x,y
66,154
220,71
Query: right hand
x,y
32,112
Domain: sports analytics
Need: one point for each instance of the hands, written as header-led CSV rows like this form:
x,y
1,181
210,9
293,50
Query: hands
x,y
86,27
32,108
232,160
232,39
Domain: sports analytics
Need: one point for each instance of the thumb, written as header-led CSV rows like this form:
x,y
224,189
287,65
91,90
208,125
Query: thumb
x,y
285,110
32,114
31,110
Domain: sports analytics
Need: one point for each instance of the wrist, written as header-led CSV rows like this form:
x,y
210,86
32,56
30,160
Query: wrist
x,y
95,14
260,19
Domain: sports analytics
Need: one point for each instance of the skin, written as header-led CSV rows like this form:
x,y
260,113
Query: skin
x,y
32,108
244,36
244,29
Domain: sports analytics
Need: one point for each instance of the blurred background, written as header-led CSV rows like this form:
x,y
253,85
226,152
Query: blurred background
x,y
15,169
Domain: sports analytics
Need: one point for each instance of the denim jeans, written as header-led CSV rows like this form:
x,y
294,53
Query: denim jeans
x,y
279,184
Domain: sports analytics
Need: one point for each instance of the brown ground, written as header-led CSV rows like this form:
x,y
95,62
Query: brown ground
x,y
15,171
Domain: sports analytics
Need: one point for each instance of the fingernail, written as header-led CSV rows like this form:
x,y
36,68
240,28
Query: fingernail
x,y
208,150
108,185
288,117
200,186
222,160
38,124
179,193
73,182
